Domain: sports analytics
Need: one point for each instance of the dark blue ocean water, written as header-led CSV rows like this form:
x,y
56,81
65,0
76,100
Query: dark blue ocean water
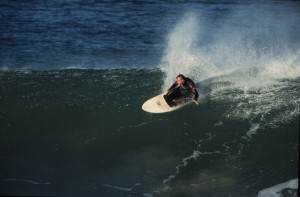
x,y
106,34
51,34
74,75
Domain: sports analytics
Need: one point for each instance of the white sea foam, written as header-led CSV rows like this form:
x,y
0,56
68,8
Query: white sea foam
x,y
219,123
276,191
253,130
185,161
138,125
118,188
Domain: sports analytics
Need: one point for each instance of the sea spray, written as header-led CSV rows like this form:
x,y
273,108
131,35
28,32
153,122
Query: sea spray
x,y
247,53
253,42
180,55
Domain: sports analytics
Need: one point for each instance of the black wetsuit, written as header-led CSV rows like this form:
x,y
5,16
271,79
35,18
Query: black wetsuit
x,y
180,93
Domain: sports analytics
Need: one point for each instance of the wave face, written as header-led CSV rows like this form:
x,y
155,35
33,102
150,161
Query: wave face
x,y
73,132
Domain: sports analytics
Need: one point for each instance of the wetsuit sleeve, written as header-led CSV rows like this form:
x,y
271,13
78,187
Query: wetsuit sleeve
x,y
194,90
173,86
196,94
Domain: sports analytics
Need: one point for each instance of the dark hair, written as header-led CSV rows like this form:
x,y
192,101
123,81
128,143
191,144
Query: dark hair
x,y
180,75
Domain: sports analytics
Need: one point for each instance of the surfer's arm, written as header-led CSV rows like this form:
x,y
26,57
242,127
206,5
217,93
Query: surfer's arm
x,y
172,87
196,93
194,90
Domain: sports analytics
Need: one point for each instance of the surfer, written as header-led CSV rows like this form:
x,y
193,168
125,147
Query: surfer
x,y
182,90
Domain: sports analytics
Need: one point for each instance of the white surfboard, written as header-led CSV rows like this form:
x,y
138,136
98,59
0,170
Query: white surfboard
x,y
158,104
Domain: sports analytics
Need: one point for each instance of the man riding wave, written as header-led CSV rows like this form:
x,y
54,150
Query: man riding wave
x,y
181,91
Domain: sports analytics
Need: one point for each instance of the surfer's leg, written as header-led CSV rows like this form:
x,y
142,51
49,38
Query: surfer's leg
x,y
176,97
173,97
183,99
179,100
175,94
169,100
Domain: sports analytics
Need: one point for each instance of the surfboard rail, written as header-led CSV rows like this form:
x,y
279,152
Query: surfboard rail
x,y
158,104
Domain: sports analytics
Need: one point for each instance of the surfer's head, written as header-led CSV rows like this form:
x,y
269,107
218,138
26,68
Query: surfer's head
x,y
180,79
180,75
